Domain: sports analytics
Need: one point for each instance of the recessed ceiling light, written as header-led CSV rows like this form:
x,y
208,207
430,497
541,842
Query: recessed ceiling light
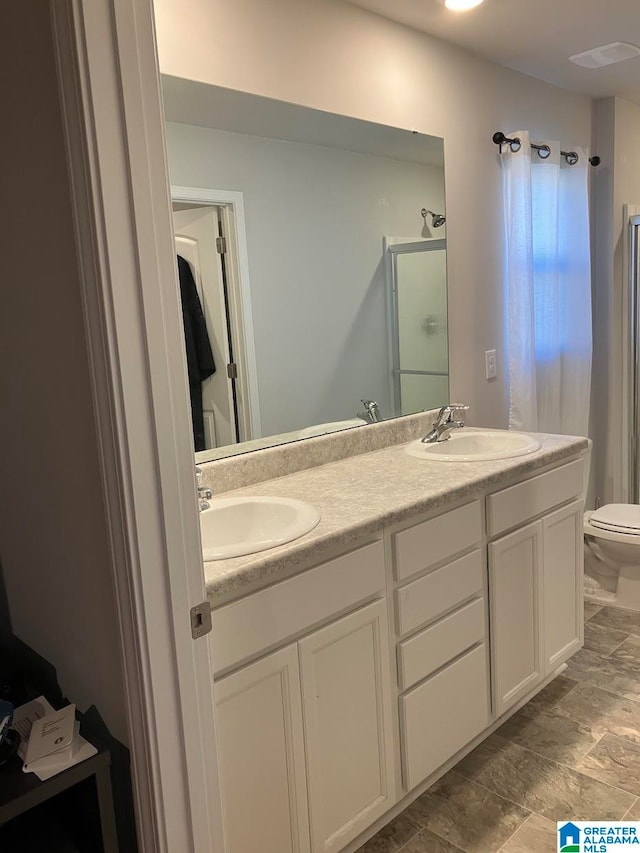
x,y
461,5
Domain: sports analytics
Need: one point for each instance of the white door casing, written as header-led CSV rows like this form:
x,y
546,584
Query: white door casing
x,y
195,235
113,122
231,206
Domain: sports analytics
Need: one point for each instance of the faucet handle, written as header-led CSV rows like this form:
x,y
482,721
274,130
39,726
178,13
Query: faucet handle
x,y
448,412
371,411
204,492
455,409
458,407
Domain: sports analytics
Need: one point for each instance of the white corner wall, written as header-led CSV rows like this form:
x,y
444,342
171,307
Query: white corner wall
x,y
617,137
330,55
53,535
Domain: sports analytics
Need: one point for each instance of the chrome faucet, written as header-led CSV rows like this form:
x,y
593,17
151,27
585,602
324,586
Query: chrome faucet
x,y
204,494
445,422
371,412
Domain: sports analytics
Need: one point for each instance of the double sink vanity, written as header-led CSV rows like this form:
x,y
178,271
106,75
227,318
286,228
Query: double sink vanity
x,y
379,605
428,600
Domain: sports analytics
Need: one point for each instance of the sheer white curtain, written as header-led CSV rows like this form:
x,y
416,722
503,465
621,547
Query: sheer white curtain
x,y
548,276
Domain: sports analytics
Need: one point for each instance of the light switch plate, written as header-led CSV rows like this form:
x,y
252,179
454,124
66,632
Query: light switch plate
x,y
491,366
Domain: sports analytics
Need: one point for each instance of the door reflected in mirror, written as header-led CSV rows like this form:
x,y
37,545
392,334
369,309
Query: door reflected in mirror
x,y
317,248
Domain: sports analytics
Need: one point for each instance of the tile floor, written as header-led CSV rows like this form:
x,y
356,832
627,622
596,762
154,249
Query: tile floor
x,y
573,752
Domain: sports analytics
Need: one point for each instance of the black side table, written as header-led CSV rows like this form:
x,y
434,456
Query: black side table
x,y
20,792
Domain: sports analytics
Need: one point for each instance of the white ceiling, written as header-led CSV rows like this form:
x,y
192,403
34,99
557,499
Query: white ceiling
x,y
535,36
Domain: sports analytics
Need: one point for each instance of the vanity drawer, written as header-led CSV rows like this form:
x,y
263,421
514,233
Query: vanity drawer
x,y
519,503
442,715
432,541
427,598
441,643
245,628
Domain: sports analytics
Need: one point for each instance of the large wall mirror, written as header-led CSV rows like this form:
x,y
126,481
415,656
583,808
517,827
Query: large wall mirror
x,y
312,260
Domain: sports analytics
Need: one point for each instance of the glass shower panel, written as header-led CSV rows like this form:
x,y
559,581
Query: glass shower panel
x,y
422,311
422,357
418,392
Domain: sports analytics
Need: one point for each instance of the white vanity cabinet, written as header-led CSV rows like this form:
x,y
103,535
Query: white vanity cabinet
x,y
305,734
467,653
442,653
535,581
348,688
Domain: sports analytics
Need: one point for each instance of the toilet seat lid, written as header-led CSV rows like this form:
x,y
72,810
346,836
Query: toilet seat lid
x,y
620,518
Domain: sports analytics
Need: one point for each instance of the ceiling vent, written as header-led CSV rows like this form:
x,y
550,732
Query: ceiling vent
x,y
617,51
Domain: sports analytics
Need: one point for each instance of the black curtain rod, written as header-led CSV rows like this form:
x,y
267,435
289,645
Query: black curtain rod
x,y
543,150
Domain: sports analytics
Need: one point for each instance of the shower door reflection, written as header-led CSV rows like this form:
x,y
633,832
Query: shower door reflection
x,y
419,336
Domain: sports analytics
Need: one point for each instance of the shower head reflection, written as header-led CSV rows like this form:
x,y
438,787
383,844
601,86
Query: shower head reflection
x,y
437,219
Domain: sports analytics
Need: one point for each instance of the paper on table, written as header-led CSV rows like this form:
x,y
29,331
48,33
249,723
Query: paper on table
x,y
79,749
50,735
25,716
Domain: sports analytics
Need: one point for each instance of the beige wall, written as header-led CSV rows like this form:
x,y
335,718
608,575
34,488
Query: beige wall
x,y
53,537
330,55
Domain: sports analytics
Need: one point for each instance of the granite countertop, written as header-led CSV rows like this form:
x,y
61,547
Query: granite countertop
x,y
359,496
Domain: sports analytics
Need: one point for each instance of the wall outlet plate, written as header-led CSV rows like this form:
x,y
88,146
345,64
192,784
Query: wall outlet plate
x,y
491,364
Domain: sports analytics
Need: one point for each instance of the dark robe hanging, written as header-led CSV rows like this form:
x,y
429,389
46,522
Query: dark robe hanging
x,y
200,364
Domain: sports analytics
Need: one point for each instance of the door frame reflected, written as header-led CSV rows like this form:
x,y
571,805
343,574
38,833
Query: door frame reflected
x,y
231,204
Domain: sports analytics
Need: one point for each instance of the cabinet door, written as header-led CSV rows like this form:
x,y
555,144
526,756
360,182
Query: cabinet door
x,y
346,687
562,587
515,578
261,757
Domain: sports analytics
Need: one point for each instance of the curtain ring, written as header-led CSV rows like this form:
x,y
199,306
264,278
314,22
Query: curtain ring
x,y
571,157
500,139
544,151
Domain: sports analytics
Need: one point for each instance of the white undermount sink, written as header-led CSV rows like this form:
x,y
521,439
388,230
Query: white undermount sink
x,y
234,527
473,445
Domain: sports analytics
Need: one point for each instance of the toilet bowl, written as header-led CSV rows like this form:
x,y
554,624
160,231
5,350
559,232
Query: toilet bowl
x,y
612,555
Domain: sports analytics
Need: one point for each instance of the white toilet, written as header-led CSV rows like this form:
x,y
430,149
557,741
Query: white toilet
x,y
612,555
